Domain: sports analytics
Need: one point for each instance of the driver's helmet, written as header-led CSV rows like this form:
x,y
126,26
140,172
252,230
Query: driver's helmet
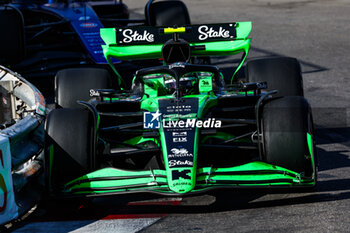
x,y
188,84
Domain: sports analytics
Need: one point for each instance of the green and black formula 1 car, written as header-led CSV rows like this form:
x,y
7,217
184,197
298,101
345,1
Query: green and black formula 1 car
x,y
180,129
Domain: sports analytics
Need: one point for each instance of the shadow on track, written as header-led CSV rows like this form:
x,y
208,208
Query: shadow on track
x,y
223,62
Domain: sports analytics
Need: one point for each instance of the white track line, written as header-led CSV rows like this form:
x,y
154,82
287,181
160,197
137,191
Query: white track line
x,y
118,223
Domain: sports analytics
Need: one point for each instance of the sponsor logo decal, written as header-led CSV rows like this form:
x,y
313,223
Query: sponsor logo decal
x,y
205,83
179,134
262,85
177,183
180,153
173,163
94,93
176,175
179,139
81,18
179,108
132,36
177,65
200,33
88,25
206,32
151,120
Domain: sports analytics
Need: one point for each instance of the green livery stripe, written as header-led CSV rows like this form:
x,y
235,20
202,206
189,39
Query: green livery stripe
x,y
310,144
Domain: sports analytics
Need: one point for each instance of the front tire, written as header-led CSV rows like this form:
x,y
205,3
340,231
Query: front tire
x,y
69,150
286,123
281,73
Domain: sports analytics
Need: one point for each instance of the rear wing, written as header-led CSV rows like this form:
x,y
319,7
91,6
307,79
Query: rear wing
x,y
146,42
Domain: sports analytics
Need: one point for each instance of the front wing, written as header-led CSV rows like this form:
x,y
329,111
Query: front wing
x,y
251,175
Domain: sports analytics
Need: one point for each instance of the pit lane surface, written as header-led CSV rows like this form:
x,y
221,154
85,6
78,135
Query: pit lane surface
x,y
317,32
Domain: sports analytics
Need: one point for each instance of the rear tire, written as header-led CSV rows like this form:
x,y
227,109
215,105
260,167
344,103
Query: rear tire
x,y
75,84
167,13
280,73
286,122
12,48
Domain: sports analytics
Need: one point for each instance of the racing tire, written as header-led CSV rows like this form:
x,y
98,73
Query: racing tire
x,y
69,144
286,121
167,13
12,47
280,73
75,84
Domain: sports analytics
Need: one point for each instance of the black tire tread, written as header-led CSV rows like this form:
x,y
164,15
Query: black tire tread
x,y
70,132
285,127
280,73
168,13
12,47
75,84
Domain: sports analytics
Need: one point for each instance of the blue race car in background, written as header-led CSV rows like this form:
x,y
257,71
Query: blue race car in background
x,y
41,37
